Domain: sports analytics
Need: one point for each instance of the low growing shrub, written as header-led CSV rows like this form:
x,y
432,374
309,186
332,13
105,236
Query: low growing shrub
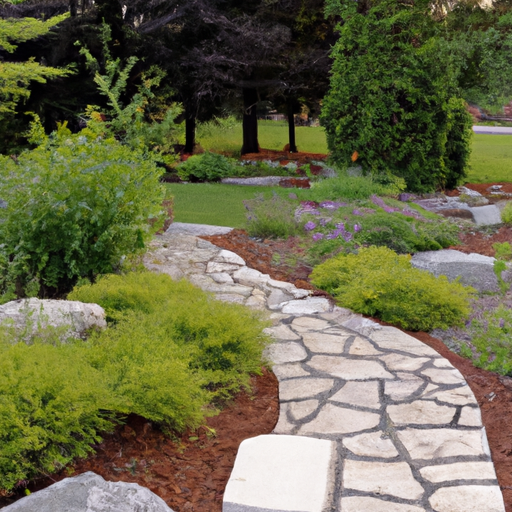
x,y
173,353
74,206
380,283
272,218
206,167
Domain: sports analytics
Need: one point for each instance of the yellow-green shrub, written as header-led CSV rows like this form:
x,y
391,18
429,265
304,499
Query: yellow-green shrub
x,y
172,352
380,283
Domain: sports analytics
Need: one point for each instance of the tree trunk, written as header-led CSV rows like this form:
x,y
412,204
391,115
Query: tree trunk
x,y
250,122
73,8
190,133
291,129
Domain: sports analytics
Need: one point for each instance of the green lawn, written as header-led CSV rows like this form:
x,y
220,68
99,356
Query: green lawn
x,y
271,135
491,159
214,203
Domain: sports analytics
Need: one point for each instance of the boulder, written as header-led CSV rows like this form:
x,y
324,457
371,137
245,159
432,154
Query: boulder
x,y
89,492
33,314
473,269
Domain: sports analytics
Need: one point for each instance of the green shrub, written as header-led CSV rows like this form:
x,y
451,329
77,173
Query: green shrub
x,y
380,283
272,218
52,408
506,214
222,341
172,354
394,97
206,167
74,207
353,187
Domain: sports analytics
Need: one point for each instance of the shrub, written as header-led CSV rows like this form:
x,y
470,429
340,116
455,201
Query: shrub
x,y
171,355
380,283
393,100
223,342
206,167
506,214
353,187
73,208
272,218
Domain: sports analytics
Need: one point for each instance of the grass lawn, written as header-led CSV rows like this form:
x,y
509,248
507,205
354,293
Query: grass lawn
x,y
271,135
491,159
216,204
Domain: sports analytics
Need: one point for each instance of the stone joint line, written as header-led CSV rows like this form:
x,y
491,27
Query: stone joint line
x,y
405,429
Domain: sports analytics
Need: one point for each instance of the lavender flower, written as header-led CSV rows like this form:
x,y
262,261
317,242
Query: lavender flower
x,y
317,236
378,201
340,226
347,236
309,226
357,228
323,222
357,212
502,323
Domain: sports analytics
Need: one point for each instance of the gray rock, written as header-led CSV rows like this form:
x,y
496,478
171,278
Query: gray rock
x,y
31,315
486,215
196,229
473,269
90,493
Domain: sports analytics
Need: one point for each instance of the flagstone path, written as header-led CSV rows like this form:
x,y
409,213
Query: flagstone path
x,y
371,419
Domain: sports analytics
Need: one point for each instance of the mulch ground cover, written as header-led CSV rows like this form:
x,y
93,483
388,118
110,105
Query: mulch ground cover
x,y
190,471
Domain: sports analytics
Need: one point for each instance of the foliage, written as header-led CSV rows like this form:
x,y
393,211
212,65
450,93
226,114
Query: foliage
x,y
393,101
506,213
335,226
172,354
503,254
131,123
206,167
74,206
378,282
15,77
490,340
272,218
354,187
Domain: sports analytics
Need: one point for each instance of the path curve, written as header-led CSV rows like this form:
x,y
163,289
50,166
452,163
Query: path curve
x,y
371,419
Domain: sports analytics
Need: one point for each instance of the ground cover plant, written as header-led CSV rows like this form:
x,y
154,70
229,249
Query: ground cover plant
x,y
378,282
171,354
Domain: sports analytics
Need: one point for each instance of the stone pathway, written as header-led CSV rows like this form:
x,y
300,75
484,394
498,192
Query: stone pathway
x,y
371,419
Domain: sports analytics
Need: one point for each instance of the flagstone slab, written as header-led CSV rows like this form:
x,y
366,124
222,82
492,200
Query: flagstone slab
x,y
303,409
440,376
406,385
339,420
288,352
288,371
459,471
308,306
390,478
361,347
350,369
281,473
399,362
366,504
390,338
468,498
443,442
421,412
282,332
303,388
362,394
307,323
470,417
324,343
371,445
458,396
